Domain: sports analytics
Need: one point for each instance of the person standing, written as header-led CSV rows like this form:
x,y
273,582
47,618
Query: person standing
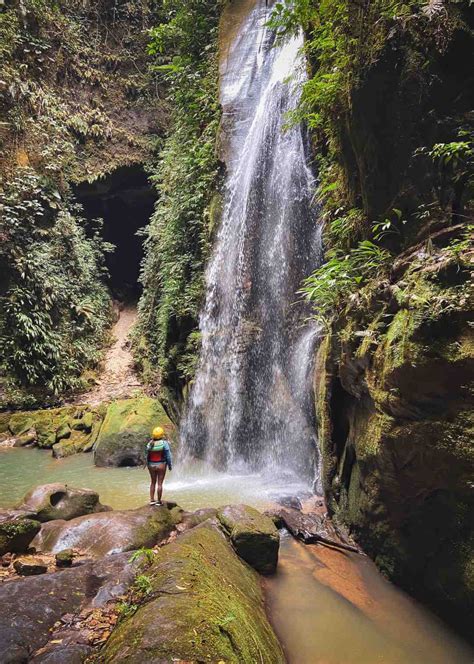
x,y
158,459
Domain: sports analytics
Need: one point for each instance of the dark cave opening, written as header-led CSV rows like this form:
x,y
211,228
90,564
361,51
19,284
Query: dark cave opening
x,y
124,199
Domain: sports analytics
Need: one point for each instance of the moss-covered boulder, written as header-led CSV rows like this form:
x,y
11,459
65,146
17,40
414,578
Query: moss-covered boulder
x,y
78,441
253,535
127,428
110,532
16,534
205,606
60,501
20,423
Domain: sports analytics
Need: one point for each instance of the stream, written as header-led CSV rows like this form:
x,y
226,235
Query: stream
x,y
326,607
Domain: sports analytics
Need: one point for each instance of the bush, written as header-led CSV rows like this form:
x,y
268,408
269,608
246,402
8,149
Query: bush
x,y
54,307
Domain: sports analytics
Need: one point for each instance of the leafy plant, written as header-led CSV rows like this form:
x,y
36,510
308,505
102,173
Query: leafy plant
x,y
54,307
143,584
342,274
186,173
146,554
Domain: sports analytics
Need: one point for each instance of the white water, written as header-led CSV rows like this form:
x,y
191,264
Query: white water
x,y
251,405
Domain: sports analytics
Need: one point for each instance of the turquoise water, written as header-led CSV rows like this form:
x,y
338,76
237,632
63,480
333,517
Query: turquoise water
x,y
192,486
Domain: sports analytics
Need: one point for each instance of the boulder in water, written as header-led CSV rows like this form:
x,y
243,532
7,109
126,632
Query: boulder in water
x,y
126,430
16,532
205,605
110,532
59,501
253,535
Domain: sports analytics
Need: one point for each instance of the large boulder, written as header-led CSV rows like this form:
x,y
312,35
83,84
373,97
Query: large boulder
x,y
16,532
110,532
29,608
126,430
253,535
59,501
204,606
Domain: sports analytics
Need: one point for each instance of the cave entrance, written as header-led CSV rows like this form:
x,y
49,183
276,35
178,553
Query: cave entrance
x,y
124,199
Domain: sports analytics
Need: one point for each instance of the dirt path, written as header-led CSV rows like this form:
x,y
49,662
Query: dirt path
x,y
118,379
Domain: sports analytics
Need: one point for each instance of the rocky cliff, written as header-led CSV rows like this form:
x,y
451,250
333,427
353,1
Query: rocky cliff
x,y
390,108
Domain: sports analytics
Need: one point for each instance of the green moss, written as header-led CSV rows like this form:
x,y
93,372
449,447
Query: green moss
x,y
206,606
127,428
20,423
15,536
253,535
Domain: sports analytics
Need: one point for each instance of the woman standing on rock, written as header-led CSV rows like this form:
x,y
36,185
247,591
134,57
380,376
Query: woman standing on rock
x,y
158,457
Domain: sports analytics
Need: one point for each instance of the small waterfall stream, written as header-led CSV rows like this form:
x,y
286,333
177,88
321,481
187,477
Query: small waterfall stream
x,y
251,403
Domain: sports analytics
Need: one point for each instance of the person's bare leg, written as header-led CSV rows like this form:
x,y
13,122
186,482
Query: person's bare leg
x,y
153,474
161,472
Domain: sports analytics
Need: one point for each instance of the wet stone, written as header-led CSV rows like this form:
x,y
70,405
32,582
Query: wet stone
x,y
65,558
30,567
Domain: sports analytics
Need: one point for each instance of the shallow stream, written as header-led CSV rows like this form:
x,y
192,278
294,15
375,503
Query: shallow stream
x,y
327,607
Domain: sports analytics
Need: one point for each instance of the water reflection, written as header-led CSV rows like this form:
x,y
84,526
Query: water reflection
x,y
329,607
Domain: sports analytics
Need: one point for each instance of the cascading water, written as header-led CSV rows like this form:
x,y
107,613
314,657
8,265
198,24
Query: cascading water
x,y
252,400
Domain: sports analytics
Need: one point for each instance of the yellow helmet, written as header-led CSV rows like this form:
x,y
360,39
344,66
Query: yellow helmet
x,y
158,433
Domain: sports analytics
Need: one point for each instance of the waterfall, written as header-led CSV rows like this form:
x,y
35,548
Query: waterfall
x,y
251,402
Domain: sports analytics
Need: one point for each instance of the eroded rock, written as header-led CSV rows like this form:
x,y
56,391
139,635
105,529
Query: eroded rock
x,y
30,607
205,606
253,535
59,501
110,532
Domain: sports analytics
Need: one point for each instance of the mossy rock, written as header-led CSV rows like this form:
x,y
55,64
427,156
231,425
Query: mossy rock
x,y
253,535
16,535
77,442
64,431
84,423
95,430
206,606
20,423
4,422
127,428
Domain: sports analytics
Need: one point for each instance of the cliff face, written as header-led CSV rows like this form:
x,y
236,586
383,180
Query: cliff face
x,y
395,364
395,425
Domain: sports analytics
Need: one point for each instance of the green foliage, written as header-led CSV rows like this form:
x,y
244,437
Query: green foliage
x,y
352,48
143,553
54,307
341,275
143,584
186,174
454,168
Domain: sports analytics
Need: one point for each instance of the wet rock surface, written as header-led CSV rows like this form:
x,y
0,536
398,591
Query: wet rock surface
x,y
29,608
110,532
59,501
30,566
395,429
204,605
253,535
126,430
